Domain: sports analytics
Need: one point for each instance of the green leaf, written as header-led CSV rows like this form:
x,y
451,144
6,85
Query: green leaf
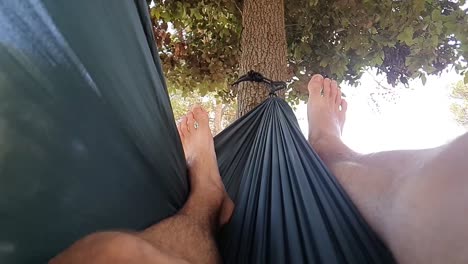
x,y
196,13
407,36
155,13
439,27
436,14
466,78
305,48
418,5
324,62
435,41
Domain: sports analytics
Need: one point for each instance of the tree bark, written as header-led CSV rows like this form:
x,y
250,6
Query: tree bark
x,y
218,119
263,47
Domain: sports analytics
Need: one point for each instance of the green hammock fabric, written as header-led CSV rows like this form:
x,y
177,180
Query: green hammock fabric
x,y
88,142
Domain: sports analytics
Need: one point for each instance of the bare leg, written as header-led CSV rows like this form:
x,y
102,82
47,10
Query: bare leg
x,y
187,237
190,233
415,200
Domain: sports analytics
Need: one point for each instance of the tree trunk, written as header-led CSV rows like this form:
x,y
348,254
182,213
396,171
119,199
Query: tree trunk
x,y
263,47
218,119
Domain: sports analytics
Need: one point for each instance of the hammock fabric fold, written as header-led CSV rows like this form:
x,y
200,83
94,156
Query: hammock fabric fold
x,y
88,142
289,208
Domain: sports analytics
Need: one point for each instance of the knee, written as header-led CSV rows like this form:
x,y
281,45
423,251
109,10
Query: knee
x,y
105,247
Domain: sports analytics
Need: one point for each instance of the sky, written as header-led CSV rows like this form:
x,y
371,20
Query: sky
x,y
418,116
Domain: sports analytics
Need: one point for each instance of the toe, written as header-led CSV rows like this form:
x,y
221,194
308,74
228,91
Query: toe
x,y
197,108
200,114
342,113
183,125
338,99
326,88
333,91
344,105
315,85
178,128
190,121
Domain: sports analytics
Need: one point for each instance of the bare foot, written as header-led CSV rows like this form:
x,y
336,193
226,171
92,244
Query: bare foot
x,y
326,112
200,155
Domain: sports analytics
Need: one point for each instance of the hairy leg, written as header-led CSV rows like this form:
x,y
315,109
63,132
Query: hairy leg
x,y
188,236
116,248
414,199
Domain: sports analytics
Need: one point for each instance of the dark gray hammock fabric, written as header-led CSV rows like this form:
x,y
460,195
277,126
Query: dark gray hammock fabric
x,y
289,208
88,142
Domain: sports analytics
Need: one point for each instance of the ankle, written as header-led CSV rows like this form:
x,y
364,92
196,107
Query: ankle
x,y
331,149
208,192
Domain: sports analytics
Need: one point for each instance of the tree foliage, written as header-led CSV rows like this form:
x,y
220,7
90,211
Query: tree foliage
x,y
198,43
460,105
199,40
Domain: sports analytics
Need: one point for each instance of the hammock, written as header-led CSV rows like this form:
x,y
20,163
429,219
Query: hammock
x,y
88,142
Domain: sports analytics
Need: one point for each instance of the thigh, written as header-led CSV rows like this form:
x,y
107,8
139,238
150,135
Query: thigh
x,y
116,248
429,215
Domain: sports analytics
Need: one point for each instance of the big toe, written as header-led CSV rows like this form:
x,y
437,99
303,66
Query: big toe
x,y
200,114
315,86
